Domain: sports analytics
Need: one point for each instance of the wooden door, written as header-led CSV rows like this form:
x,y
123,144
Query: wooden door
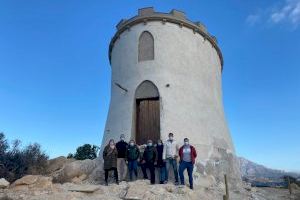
x,y
147,120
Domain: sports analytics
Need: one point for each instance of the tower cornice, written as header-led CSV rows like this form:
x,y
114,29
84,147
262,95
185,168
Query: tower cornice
x,y
146,15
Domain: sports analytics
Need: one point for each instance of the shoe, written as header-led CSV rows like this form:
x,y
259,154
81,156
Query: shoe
x,y
181,186
117,182
191,187
176,183
165,182
161,182
106,184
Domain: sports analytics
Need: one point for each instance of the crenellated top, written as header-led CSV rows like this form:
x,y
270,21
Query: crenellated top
x,y
175,16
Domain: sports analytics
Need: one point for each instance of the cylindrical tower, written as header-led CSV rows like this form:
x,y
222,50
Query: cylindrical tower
x,y
166,77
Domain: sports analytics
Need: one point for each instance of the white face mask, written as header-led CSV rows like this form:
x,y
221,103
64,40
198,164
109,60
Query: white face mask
x,y
131,143
171,137
159,143
149,144
122,138
111,143
186,143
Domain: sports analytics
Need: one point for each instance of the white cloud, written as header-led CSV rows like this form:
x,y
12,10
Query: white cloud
x,y
295,14
253,19
287,13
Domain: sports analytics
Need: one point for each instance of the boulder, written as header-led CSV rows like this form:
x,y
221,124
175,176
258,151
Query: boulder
x,y
43,182
3,183
57,163
138,191
26,180
97,175
84,188
78,168
142,189
33,181
79,179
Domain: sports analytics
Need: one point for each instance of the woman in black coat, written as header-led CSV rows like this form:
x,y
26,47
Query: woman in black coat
x,y
160,163
110,155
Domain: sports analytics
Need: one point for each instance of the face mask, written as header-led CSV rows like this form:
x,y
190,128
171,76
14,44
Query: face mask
x,y
131,143
122,138
186,143
171,137
159,143
149,144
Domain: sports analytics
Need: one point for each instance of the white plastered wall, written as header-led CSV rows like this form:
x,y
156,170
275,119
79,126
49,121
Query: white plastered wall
x,y
190,107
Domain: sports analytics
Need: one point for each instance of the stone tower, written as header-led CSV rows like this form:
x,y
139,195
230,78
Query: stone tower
x,y
166,77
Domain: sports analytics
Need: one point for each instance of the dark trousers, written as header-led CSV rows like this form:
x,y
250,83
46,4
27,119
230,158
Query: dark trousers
x,y
115,173
132,167
150,166
189,166
162,173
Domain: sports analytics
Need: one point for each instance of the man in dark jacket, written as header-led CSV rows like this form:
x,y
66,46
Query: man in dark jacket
x,y
149,159
160,163
132,155
187,154
121,162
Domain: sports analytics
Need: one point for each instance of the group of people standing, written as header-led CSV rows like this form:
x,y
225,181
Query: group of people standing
x,y
122,156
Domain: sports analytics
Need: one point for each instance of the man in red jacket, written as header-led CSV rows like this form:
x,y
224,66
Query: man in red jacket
x,y
187,154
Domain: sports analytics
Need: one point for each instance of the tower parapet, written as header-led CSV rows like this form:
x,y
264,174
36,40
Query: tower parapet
x,y
174,16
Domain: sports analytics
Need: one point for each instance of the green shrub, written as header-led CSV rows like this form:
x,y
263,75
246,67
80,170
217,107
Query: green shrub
x,y
16,162
85,151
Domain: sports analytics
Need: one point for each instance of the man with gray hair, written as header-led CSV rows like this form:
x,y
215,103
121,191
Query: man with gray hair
x,y
121,161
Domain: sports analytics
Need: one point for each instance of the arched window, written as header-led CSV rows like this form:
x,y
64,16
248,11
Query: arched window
x,y
146,47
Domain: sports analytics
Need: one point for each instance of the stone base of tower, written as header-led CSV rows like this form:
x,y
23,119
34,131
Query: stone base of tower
x,y
208,180
211,165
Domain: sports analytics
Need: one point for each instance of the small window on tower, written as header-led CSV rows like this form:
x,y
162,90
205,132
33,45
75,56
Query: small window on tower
x,y
146,47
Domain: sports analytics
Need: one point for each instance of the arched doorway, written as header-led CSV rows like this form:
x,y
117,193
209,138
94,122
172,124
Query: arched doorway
x,y
147,113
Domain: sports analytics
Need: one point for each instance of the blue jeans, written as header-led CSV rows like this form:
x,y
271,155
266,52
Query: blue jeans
x,y
171,162
162,174
132,167
189,166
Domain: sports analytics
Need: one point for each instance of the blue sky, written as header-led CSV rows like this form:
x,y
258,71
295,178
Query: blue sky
x,y
55,73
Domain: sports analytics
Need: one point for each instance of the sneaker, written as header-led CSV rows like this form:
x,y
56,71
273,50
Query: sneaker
x,y
117,182
106,184
165,182
181,186
191,187
161,182
176,183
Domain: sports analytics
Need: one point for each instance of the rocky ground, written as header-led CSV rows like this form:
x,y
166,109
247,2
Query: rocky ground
x,y
42,188
75,180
